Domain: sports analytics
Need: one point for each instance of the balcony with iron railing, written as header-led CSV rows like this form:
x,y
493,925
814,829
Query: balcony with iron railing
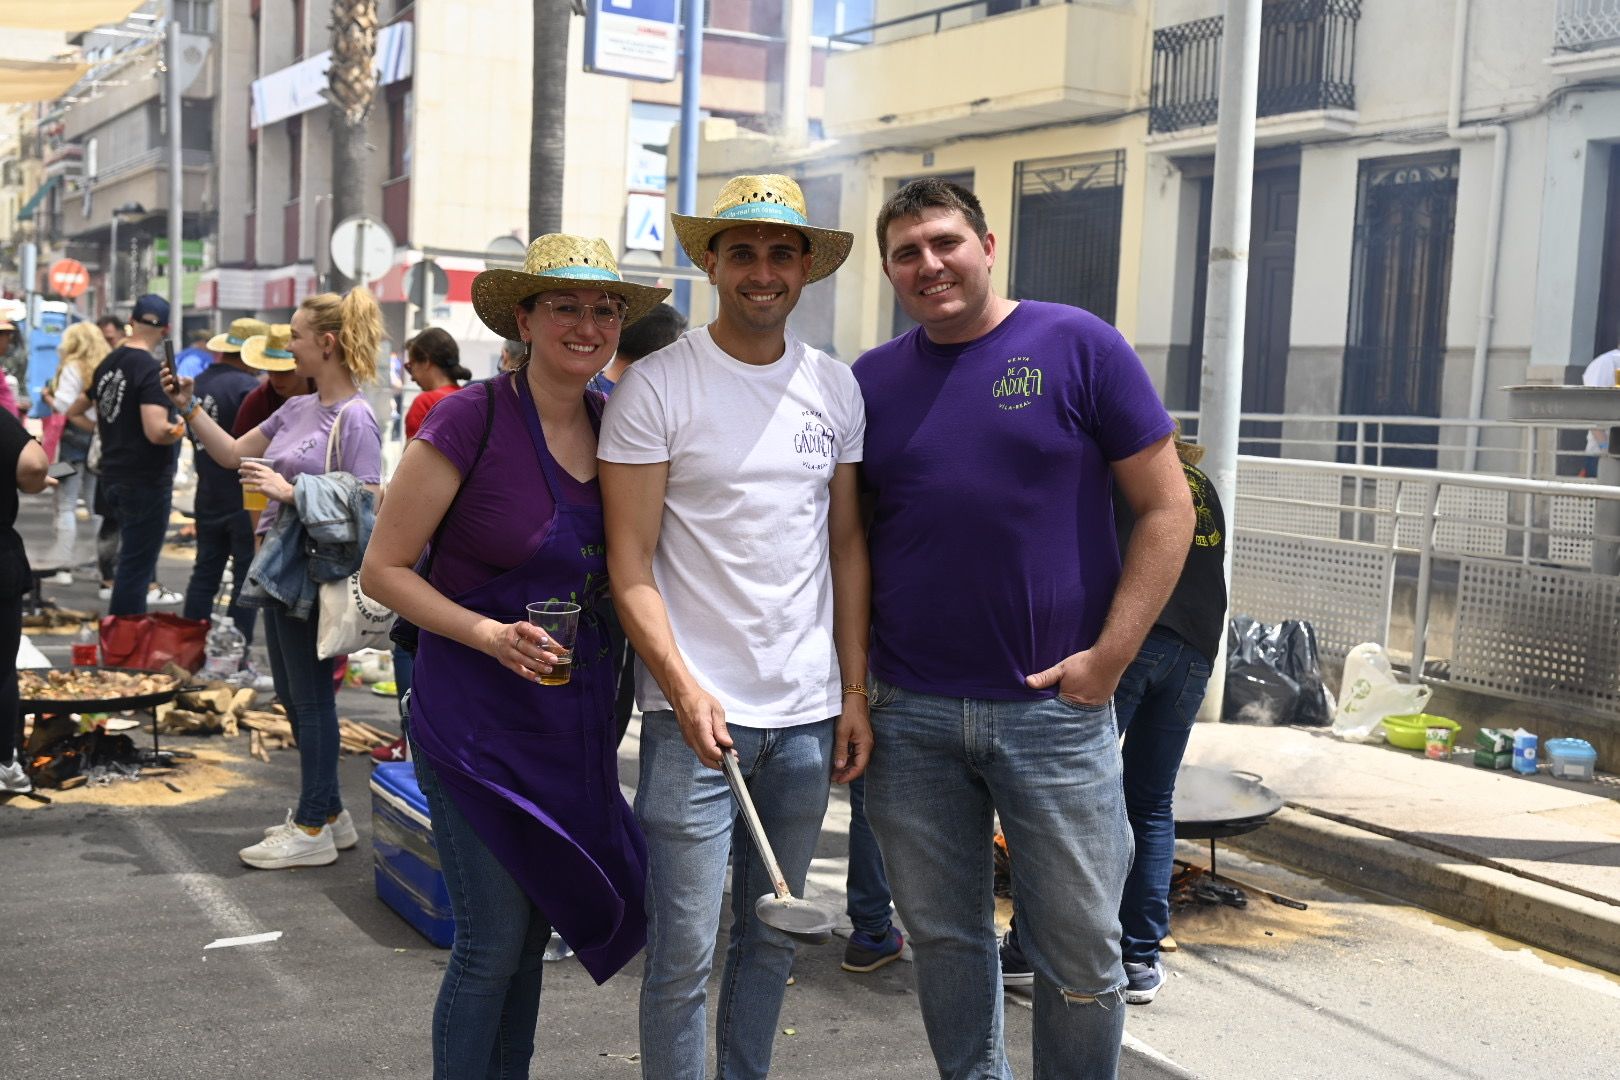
x,y
1307,65
982,66
1586,38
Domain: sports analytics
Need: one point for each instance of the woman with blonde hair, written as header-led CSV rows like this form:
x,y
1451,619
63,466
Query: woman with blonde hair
x,y
325,449
82,347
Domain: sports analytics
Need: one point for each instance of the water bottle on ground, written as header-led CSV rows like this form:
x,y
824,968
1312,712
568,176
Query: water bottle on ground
x,y
224,648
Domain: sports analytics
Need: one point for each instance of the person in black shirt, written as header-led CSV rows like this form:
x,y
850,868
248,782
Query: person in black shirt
x,y
24,459
138,439
1156,703
224,529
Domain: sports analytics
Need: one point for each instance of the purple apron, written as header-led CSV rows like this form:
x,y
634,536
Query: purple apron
x,y
533,768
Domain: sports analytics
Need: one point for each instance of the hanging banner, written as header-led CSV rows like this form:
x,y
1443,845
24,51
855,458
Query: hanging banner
x,y
301,87
632,39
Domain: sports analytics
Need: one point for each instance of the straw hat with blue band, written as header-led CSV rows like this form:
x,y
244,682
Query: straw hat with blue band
x,y
763,200
555,262
240,331
270,352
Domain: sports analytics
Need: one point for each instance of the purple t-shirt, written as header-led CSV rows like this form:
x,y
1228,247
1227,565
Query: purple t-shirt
x,y
505,509
298,434
993,550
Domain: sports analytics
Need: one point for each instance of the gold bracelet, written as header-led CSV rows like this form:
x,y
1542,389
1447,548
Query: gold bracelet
x,y
856,688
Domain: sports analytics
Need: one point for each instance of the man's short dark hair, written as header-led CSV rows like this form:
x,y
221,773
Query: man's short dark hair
x,y
653,331
200,336
111,320
926,193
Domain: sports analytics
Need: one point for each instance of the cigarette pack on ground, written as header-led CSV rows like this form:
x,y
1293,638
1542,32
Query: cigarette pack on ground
x,y
407,871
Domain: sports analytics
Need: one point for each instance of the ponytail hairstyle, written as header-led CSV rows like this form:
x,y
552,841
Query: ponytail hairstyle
x,y
438,348
356,321
82,347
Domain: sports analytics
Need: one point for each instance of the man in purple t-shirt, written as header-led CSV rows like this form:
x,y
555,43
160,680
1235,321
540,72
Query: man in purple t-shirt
x,y
1002,621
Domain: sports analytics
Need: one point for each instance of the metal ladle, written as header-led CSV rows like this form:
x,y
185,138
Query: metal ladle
x,y
799,919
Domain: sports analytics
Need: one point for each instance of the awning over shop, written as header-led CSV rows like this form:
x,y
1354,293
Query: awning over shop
x,y
37,80
28,208
69,15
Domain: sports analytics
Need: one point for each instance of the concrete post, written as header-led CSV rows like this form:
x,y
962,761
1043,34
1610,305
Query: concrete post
x,y
177,206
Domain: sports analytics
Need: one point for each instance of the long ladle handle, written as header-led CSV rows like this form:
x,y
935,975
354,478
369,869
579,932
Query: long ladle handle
x,y
756,828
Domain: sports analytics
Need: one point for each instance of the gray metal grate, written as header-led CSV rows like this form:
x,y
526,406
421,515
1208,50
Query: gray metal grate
x,y
1587,24
1569,515
1341,586
1484,533
1538,634
1321,519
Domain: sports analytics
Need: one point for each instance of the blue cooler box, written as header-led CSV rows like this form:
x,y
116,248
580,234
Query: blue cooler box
x,y
407,861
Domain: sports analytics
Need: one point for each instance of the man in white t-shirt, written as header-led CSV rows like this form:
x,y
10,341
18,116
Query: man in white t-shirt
x,y
739,572
1602,371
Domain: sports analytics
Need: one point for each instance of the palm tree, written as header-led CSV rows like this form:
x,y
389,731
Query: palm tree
x,y
352,85
550,91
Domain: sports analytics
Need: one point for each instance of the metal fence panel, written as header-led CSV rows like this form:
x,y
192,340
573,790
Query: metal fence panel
x,y
1538,634
1342,587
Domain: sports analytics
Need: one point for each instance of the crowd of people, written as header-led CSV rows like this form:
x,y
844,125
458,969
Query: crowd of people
x,y
958,575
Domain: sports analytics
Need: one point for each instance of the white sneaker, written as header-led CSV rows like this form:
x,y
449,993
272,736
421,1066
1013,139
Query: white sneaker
x,y
287,845
104,593
13,780
161,597
62,577
344,834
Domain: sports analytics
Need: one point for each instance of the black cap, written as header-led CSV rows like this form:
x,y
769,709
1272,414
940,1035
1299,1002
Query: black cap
x,y
151,310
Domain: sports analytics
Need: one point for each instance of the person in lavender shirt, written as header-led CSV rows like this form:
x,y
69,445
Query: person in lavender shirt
x,y
1002,621
334,341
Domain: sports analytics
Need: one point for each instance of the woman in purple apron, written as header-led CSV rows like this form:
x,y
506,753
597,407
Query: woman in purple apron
x,y
522,779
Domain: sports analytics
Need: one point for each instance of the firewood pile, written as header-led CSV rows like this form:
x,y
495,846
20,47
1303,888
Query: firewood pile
x,y
223,710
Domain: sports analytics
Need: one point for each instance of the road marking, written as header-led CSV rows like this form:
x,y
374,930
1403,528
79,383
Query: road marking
x,y
229,918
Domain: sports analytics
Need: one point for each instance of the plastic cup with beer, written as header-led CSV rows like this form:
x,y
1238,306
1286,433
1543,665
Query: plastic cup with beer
x,y
252,499
560,621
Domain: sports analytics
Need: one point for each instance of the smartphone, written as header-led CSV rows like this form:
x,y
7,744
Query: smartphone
x,y
61,470
168,359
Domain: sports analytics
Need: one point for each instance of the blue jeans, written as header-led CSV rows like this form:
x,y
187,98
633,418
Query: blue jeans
x,y
1157,702
483,1021
220,539
942,768
142,510
866,887
691,821
304,685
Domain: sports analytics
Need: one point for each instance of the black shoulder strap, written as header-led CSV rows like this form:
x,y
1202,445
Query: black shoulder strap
x,y
489,426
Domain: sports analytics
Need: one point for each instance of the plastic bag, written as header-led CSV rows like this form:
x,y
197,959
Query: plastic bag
x,y
1274,675
1370,691
152,640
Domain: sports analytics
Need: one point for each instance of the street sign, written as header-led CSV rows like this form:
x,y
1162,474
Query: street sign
x,y
362,248
633,39
69,278
644,219
439,282
504,252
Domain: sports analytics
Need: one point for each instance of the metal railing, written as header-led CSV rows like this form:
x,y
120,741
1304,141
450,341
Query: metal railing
x,y
1307,62
933,21
1586,24
1506,448
1492,584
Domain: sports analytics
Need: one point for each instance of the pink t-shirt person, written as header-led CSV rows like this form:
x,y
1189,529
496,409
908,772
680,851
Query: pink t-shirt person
x,y
298,434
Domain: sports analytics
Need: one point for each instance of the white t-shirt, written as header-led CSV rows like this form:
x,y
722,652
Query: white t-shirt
x,y
1600,372
742,559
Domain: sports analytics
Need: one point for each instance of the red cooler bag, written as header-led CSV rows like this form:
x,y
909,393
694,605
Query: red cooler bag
x,y
152,640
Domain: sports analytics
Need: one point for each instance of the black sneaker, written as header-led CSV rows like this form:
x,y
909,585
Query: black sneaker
x,y
1015,970
1142,982
864,954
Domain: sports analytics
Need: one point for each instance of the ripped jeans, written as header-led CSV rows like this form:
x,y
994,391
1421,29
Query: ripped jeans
x,y
942,769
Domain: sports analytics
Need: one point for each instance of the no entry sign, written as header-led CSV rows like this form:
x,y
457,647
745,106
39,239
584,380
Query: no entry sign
x,y
69,278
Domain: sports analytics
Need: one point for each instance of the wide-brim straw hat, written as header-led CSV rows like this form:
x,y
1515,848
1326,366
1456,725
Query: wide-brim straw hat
x,y
763,200
233,339
270,352
554,262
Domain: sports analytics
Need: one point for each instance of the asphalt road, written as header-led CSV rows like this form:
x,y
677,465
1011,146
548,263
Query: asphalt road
x,y
108,896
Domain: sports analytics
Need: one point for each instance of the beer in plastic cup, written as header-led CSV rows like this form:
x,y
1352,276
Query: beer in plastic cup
x,y
560,620
256,500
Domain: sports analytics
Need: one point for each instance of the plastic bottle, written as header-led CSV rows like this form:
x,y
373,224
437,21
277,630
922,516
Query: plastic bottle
x,y
86,647
224,648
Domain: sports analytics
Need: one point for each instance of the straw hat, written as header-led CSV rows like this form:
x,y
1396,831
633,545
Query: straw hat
x,y
240,331
270,352
1190,453
557,261
767,200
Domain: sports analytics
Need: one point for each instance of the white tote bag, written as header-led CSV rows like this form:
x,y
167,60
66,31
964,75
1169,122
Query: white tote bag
x,y
349,620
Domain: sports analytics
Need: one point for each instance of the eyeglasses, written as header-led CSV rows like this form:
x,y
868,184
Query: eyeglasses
x,y
607,315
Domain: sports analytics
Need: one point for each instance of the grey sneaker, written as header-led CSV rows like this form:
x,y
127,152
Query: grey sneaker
x,y
1142,982
344,834
14,779
286,845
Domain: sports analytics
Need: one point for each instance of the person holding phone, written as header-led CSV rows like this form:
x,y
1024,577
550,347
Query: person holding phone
x,y
139,443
